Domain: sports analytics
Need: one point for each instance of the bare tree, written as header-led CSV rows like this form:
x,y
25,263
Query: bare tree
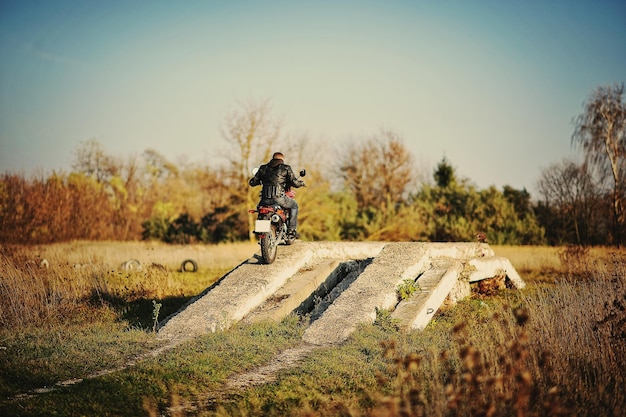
x,y
601,132
91,159
252,132
570,189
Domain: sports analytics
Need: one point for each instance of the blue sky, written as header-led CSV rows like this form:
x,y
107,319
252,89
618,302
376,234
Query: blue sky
x,y
493,86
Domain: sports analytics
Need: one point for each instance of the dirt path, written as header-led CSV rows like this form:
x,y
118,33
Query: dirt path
x,y
239,382
153,353
267,373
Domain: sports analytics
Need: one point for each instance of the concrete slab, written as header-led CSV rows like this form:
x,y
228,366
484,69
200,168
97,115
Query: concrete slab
x,y
250,284
376,287
307,270
434,286
492,266
297,290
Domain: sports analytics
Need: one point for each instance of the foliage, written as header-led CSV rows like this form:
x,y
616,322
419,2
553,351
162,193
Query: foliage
x,y
367,191
222,225
129,210
458,211
323,213
407,288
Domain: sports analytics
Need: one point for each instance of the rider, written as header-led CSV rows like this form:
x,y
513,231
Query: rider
x,y
277,179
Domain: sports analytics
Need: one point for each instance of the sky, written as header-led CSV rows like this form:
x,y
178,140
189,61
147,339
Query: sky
x,y
492,86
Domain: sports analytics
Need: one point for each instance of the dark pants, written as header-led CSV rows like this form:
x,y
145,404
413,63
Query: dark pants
x,y
292,205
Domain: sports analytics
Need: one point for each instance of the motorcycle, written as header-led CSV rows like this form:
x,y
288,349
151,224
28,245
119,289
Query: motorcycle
x,y
271,226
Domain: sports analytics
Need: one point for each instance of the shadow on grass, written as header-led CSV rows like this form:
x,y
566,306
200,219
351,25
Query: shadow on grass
x,y
141,312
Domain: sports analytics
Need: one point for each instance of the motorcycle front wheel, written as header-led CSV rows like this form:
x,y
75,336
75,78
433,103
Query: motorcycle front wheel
x,y
269,245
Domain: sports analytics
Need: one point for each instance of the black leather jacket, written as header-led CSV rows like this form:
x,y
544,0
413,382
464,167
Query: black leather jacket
x,y
276,177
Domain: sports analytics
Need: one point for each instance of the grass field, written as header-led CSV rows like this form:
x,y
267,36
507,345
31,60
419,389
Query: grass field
x,y
556,347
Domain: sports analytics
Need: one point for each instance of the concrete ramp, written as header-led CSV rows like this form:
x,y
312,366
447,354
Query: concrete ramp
x,y
340,285
250,284
494,266
304,291
376,287
434,286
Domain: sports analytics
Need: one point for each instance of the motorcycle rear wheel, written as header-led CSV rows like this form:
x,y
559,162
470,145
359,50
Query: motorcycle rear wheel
x,y
269,245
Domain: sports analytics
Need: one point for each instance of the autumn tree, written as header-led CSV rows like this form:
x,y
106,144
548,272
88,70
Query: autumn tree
x,y
251,132
601,133
377,172
156,167
58,208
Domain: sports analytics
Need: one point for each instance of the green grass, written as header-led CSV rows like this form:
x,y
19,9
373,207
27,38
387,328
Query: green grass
x,y
192,370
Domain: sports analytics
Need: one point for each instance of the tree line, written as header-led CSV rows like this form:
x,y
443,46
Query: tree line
x,y
371,189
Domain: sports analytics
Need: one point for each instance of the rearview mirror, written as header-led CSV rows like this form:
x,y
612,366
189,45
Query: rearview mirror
x,y
303,172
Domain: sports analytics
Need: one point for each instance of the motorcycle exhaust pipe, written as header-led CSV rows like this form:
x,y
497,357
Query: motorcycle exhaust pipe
x,y
275,218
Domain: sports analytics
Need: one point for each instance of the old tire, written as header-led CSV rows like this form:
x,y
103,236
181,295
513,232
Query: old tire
x,y
184,266
131,265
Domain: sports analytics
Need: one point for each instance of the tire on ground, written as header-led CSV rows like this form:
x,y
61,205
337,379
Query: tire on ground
x,y
131,265
186,262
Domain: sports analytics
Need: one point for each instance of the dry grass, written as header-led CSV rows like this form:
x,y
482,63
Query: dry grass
x,y
548,264
531,259
49,282
111,255
561,352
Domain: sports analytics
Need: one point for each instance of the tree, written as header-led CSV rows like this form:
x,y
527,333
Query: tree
x,y
519,198
251,132
601,132
455,210
91,159
444,174
378,171
156,167
570,191
446,205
